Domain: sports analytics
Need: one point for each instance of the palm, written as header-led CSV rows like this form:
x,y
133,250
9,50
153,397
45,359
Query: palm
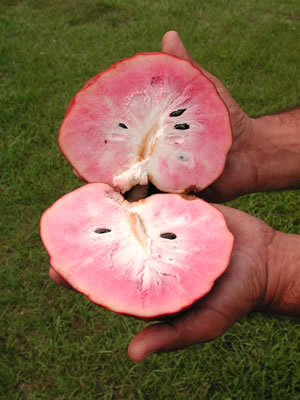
x,y
239,176
240,290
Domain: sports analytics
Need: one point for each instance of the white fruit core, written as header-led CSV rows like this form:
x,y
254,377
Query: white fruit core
x,y
148,258
154,134
137,174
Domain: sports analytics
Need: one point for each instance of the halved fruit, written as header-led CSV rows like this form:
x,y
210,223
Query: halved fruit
x,y
152,117
149,258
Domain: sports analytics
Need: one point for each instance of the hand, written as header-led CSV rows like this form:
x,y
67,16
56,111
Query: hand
x,y
240,175
265,152
59,279
263,275
240,290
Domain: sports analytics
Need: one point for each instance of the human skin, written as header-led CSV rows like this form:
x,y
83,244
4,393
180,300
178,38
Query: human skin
x,y
265,155
263,275
264,269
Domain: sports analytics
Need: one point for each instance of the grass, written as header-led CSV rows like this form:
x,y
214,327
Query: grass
x,y
55,344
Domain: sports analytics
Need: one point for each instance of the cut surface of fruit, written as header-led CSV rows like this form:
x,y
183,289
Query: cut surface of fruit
x,y
152,117
149,258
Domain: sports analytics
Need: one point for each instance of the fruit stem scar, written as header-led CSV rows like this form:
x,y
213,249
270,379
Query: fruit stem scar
x,y
139,232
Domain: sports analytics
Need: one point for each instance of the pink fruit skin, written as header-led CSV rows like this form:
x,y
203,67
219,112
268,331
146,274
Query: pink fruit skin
x,y
133,270
190,159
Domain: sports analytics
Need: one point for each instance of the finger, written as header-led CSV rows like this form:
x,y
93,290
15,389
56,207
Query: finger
x,y
172,44
196,326
212,195
59,279
137,193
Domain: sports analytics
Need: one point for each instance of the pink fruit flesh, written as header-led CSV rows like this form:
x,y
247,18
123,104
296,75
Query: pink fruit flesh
x,y
150,117
150,258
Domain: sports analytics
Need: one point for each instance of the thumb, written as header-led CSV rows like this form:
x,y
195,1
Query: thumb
x,y
196,326
172,44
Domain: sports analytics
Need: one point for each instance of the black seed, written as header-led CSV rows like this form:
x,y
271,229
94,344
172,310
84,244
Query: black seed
x,y
177,113
102,230
181,126
122,125
168,235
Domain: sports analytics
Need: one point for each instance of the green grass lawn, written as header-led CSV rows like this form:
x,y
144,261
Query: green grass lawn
x,y
55,344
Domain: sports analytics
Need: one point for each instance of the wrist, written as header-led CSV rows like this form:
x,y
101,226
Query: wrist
x,y
282,294
276,151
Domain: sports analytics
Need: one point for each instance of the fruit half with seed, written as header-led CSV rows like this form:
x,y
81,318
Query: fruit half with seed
x,y
152,117
149,258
